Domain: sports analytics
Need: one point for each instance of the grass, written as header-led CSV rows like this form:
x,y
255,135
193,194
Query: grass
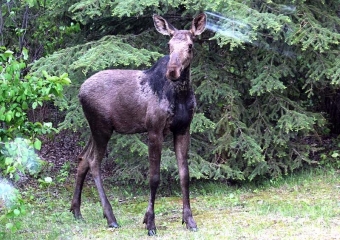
x,y
300,206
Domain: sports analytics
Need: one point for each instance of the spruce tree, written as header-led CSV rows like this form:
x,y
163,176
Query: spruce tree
x,y
266,77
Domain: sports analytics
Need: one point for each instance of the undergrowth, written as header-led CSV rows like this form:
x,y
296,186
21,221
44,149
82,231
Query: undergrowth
x,y
302,205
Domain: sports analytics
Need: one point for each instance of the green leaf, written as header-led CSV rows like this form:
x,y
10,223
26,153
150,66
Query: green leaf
x,y
16,212
8,53
24,106
8,160
48,180
34,105
45,74
25,53
9,225
9,116
48,124
37,144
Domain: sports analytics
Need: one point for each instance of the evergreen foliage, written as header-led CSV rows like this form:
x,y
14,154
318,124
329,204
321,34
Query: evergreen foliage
x,y
266,76
39,26
95,56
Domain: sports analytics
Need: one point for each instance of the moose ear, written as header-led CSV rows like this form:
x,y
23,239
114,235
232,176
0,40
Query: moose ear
x,y
198,24
163,26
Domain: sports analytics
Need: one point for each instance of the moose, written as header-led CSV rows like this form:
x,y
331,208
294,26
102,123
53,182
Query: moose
x,y
158,101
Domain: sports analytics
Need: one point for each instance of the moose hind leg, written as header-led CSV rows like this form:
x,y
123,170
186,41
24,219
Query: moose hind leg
x,y
83,167
100,143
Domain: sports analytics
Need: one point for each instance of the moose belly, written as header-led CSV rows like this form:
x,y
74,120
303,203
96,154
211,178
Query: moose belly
x,y
128,119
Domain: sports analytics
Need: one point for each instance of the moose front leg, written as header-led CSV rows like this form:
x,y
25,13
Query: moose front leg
x,y
181,144
155,147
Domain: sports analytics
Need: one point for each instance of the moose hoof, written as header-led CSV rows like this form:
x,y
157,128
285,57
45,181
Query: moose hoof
x,y
190,224
113,225
78,217
152,232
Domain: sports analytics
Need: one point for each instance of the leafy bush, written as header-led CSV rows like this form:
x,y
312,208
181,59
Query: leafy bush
x,y
13,207
18,94
18,135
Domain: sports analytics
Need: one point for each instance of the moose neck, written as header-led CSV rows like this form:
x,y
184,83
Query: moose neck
x,y
183,84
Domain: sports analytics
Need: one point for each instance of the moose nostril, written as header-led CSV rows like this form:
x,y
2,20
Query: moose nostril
x,y
173,73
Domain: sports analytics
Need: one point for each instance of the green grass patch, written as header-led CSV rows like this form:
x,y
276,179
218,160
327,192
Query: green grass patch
x,y
299,206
